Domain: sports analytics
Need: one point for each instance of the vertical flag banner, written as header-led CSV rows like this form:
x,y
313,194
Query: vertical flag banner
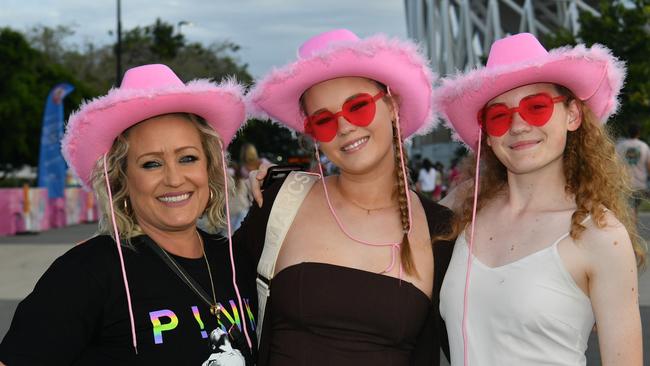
x,y
51,165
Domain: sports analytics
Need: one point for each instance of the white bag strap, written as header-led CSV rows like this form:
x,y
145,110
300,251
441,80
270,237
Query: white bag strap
x,y
286,205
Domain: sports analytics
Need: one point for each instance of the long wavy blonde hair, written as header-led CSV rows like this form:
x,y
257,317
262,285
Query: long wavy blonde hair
x,y
594,175
126,221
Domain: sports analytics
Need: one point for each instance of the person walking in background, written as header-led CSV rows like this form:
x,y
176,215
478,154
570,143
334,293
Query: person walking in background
x,y
439,188
426,182
454,174
241,197
414,165
249,159
636,156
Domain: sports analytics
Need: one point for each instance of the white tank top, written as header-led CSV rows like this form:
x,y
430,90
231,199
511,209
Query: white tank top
x,y
528,312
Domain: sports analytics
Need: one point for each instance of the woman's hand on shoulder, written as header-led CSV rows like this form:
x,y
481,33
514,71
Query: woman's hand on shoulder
x,y
255,178
614,291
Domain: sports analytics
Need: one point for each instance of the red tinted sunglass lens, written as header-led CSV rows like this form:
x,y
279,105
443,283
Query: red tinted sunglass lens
x,y
360,110
536,109
497,119
323,126
322,118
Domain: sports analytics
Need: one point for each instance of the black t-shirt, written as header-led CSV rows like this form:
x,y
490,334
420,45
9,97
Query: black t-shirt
x,y
77,313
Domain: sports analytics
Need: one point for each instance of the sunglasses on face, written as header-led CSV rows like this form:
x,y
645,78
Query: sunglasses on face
x,y
535,109
358,110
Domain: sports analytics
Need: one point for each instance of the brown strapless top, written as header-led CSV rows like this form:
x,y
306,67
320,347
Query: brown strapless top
x,y
324,314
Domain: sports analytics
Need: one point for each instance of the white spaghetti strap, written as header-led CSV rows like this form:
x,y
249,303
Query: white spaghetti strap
x,y
569,232
564,236
285,207
119,252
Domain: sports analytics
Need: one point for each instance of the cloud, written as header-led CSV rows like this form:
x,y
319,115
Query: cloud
x,y
269,31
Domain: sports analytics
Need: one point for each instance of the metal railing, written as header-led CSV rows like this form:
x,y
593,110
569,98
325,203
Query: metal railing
x,y
457,34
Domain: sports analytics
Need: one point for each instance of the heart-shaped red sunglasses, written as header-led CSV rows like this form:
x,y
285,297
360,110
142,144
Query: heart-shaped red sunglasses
x,y
535,109
358,110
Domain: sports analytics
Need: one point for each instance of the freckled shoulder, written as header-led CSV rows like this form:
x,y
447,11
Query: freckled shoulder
x,y
608,246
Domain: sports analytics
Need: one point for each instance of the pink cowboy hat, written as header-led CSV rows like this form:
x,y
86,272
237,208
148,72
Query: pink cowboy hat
x,y
593,74
340,53
147,91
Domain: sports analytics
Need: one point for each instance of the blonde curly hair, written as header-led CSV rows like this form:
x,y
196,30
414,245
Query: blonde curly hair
x,y
127,223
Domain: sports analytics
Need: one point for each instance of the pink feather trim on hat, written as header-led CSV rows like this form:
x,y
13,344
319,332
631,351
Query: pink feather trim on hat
x,y
92,129
339,53
593,74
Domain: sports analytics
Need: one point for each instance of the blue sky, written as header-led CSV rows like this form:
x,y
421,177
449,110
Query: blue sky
x,y
269,31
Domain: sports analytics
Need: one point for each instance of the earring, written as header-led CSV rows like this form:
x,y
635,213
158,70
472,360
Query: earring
x,y
211,199
126,205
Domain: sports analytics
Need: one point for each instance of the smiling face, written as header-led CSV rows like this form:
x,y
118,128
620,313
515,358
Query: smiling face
x,y
524,147
167,178
354,149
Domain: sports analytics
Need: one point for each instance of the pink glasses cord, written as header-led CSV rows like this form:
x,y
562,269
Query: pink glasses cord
x,y
469,256
119,251
394,246
232,256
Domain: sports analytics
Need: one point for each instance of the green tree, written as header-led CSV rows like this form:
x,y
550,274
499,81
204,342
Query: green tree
x,y
157,43
271,140
624,28
50,41
32,63
27,77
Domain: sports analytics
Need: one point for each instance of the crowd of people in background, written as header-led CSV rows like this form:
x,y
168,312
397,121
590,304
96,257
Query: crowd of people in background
x,y
432,180
241,196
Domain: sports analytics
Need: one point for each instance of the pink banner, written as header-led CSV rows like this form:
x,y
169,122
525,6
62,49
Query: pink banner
x,y
30,210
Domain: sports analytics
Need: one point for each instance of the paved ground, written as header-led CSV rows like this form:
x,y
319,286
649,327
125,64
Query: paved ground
x,y
24,258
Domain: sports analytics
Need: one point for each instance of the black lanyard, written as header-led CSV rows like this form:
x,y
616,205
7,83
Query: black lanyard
x,y
236,335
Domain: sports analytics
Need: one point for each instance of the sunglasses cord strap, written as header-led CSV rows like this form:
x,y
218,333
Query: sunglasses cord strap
x,y
119,251
470,255
394,246
232,256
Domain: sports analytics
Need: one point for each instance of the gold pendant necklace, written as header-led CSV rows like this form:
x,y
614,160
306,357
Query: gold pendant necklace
x,y
215,308
368,210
